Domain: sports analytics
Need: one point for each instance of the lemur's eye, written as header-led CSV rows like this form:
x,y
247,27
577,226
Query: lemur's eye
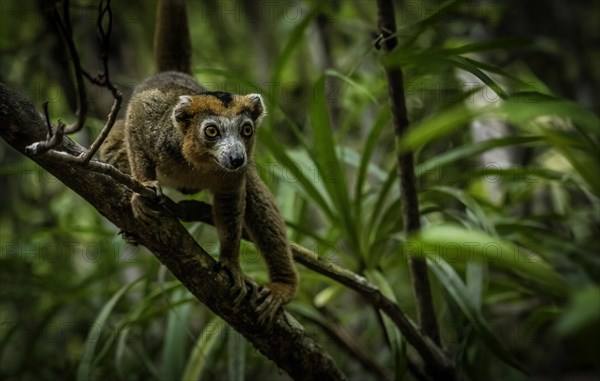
x,y
247,130
211,131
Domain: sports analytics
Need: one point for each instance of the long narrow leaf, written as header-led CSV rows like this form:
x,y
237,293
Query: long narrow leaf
x,y
395,338
328,164
462,297
481,218
458,245
467,65
360,88
436,127
308,186
487,45
472,149
236,357
367,154
174,347
85,370
203,353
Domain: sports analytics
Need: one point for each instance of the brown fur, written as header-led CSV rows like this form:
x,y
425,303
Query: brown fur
x,y
113,150
162,143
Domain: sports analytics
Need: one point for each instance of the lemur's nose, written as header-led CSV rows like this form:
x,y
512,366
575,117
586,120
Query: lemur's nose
x,y
236,160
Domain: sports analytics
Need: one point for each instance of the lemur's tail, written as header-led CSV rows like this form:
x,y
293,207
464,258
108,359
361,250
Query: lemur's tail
x,y
172,45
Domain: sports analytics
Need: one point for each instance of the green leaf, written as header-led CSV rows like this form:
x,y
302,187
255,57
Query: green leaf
x,y
475,278
520,111
458,245
495,70
585,165
418,28
85,370
360,88
517,174
174,348
369,148
330,168
582,312
436,127
481,217
463,298
487,45
292,41
468,65
236,357
301,181
325,296
394,336
472,149
380,202
205,350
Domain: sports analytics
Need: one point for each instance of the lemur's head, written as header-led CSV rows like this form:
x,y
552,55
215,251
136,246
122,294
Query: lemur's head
x,y
218,127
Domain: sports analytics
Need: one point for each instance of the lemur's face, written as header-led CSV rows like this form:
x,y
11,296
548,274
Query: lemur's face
x,y
219,128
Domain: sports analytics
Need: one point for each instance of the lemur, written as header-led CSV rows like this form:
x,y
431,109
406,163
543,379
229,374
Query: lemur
x,y
179,135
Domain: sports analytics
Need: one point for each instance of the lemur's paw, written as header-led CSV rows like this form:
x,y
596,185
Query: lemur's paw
x,y
270,298
239,282
142,207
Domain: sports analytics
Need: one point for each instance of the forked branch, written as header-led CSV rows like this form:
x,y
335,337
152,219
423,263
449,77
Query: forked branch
x,y
55,136
287,344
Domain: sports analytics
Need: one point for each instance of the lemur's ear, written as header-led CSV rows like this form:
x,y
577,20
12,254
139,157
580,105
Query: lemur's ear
x,y
257,108
181,115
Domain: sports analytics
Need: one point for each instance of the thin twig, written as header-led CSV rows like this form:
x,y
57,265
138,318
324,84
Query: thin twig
x,y
433,356
106,169
103,79
66,31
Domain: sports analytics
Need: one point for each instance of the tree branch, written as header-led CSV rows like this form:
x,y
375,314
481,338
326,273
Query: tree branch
x,y
406,171
435,359
286,343
54,139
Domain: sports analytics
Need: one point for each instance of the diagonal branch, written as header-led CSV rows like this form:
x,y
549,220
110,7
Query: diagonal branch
x,y
286,343
20,124
435,359
406,171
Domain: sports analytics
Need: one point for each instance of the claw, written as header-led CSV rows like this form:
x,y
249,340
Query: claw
x,y
157,189
270,299
155,186
251,289
237,279
142,210
241,294
142,206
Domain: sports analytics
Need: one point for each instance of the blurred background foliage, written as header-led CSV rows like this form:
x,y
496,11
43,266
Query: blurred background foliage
x,y
503,102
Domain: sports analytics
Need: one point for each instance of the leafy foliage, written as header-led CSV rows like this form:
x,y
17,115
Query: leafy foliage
x,y
512,249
